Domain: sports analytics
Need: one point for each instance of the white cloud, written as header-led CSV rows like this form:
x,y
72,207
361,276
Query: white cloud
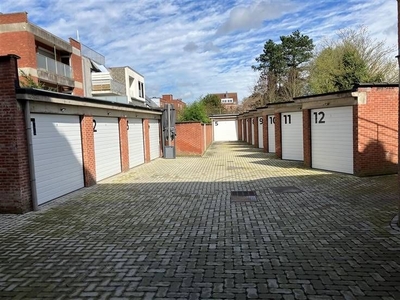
x,y
174,43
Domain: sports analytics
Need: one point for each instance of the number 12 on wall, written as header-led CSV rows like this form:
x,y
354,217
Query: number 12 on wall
x,y
319,117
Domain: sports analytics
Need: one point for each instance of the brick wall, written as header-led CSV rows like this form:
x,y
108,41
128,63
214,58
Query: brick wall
x,y
208,135
146,140
240,129
245,130
255,127
21,43
77,67
376,135
307,137
189,138
88,152
15,190
123,143
265,134
9,18
248,121
278,136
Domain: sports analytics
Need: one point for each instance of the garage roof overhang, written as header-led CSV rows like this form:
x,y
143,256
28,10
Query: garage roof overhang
x,y
57,103
336,99
224,117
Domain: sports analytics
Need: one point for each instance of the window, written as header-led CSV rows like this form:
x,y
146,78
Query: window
x,y
141,89
227,100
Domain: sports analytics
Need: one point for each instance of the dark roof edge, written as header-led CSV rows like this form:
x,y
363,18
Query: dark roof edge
x,y
32,91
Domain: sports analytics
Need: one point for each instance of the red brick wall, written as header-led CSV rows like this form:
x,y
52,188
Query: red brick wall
x,y
208,135
307,137
248,130
15,190
88,153
123,143
189,138
240,129
76,64
146,140
278,136
376,135
255,128
9,18
22,44
265,133
245,130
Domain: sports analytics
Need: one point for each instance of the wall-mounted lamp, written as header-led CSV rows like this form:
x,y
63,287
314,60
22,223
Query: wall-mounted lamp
x,y
62,109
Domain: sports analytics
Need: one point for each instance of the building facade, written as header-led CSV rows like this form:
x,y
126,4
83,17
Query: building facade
x,y
229,101
178,104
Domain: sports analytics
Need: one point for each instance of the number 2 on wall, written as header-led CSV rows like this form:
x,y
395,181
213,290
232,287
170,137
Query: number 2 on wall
x,y
321,116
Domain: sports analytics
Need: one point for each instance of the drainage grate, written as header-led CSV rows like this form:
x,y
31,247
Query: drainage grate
x,y
243,196
285,189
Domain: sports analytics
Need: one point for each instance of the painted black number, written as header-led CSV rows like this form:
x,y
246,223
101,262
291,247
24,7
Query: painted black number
x,y
272,120
216,123
321,116
288,119
94,125
33,120
261,120
127,124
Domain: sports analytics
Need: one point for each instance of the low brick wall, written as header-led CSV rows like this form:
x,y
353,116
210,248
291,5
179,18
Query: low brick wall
x,y
192,138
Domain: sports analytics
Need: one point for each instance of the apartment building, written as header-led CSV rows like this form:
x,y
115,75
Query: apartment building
x,y
178,104
45,58
67,67
228,100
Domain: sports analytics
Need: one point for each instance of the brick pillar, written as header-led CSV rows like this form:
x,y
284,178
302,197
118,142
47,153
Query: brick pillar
x,y
255,120
278,136
307,137
265,134
245,130
240,129
146,138
123,143
77,67
88,152
15,189
249,130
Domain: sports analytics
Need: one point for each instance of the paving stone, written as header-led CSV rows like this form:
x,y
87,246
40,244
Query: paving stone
x,y
168,230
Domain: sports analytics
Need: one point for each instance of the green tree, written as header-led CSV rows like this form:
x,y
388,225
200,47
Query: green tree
x,y
282,66
212,104
29,82
352,58
194,112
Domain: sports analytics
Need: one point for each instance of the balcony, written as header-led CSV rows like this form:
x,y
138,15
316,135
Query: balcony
x,y
104,85
53,66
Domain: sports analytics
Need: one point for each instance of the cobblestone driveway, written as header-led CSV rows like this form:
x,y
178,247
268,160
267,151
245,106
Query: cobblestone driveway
x,y
169,230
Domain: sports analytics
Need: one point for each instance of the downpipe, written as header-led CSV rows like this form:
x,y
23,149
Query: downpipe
x,y
28,128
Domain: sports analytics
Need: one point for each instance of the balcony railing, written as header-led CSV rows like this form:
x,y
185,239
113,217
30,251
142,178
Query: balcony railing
x,y
53,66
92,54
102,83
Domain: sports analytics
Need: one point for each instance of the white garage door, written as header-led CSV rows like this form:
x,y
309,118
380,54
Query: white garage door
x,y
106,145
225,130
252,131
135,140
292,135
260,133
57,153
332,139
154,132
271,133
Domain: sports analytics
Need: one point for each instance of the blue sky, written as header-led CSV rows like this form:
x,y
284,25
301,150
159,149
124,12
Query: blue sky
x,y
190,48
